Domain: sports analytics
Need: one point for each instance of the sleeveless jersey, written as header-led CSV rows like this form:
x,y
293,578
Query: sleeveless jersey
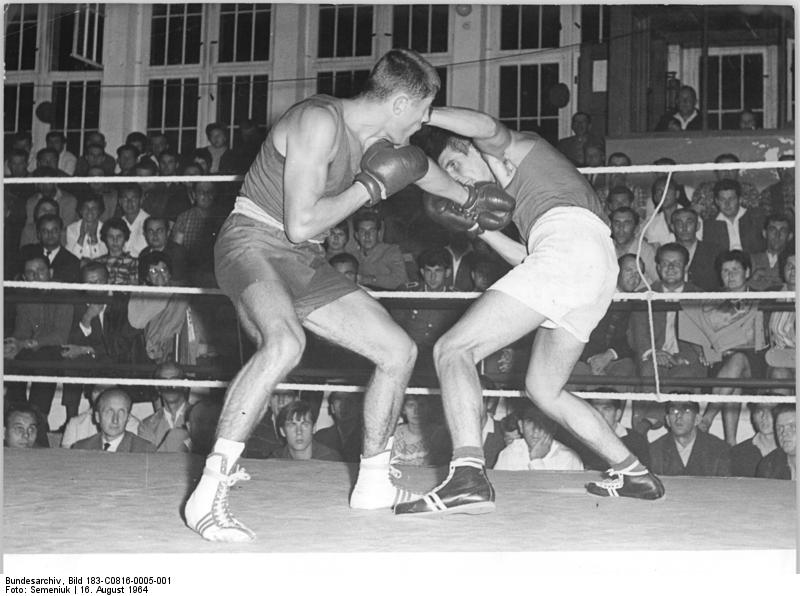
x,y
263,183
546,179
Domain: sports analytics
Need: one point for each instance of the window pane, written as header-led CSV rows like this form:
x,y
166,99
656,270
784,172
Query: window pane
x,y
551,26
327,24
529,91
74,105
158,38
241,106
325,83
529,25
754,81
193,34
224,103
419,28
92,119
400,33
364,31
590,23
188,141
713,82
344,31
172,104
730,121
60,104
262,36
175,41
440,27
731,82
509,27
13,38
155,105
508,91
10,107
260,96
26,106
30,11
227,22
549,80
244,37
191,96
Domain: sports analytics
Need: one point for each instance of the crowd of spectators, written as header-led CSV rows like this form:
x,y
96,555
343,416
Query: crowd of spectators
x,y
724,235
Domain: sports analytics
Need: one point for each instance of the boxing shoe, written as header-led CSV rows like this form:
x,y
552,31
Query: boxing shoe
x,y
375,487
465,490
214,521
637,485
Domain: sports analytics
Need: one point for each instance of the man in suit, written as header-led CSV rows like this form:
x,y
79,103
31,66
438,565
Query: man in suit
x,y
345,434
166,428
66,267
112,410
685,450
673,357
766,274
702,272
734,227
685,112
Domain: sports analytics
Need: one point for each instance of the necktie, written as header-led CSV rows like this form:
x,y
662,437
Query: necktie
x,y
106,446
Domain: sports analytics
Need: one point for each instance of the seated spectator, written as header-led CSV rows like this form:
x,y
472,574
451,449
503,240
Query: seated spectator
x,y
40,329
175,194
29,234
21,427
83,236
702,272
156,233
107,192
94,154
779,197
67,203
65,266
659,231
685,112
166,427
782,326
537,449
84,425
158,144
221,155
675,357
380,266
624,222
685,450
15,196
731,334
734,228
460,248
703,197
202,159
346,264
112,409
746,455
748,120
420,440
123,269
127,157
596,158
766,275
619,179
483,273
142,144
47,160
196,230
781,463
295,423
336,242
58,142
22,141
130,199
574,147
345,435
265,438
152,202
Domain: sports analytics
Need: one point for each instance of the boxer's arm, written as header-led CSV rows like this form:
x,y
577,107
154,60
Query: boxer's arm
x,y
512,251
310,144
437,182
490,136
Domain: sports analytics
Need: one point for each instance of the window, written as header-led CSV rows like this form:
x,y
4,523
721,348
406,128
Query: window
x,y
735,82
21,30
594,23
525,27
172,110
244,32
175,35
76,111
420,27
344,83
17,108
524,103
78,37
344,30
242,97
441,97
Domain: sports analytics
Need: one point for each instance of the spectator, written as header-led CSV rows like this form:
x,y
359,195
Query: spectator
x,y
127,158
93,157
21,427
40,329
703,197
731,334
685,112
748,120
107,192
701,272
624,222
158,144
346,264
265,439
537,449
596,158
84,426
459,279
112,410
420,440
202,159
65,266
153,201
130,199
196,231
222,158
746,455
782,326
779,197
142,144
685,450
734,228
83,236
295,423
659,231
156,233
15,196
483,273
674,357
67,203
380,265
167,199
58,142
345,435
767,275
166,428
781,463
47,159
22,141
43,206
620,179
336,242
574,147
123,269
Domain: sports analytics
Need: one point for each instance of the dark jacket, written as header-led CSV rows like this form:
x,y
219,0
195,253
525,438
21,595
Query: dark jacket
x,y
130,443
710,457
750,227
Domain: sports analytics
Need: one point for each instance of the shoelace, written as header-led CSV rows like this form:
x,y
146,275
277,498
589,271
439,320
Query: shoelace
x,y
222,513
614,481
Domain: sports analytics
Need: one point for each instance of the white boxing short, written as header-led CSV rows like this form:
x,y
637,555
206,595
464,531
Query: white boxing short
x,y
570,273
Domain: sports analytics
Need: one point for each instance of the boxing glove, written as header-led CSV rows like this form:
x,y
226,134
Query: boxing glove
x,y
449,214
490,206
386,169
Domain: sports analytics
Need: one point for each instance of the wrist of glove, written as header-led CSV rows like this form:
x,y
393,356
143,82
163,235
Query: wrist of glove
x,y
490,206
449,214
386,169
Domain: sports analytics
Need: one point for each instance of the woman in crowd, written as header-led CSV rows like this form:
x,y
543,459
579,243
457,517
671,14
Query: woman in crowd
x,y
123,269
83,236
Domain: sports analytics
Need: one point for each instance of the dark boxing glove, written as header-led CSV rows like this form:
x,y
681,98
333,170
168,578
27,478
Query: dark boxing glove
x,y
489,205
449,214
386,169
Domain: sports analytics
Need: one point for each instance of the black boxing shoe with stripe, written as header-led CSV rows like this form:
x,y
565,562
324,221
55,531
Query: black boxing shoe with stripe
x,y
641,484
465,490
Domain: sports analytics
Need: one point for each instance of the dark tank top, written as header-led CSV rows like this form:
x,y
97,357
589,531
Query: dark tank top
x,y
263,183
546,179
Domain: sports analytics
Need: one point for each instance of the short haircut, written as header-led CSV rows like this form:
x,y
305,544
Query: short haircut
x,y
782,409
619,154
46,201
344,258
739,256
726,157
576,114
535,415
136,137
152,258
672,247
367,215
42,152
680,210
91,198
433,140
94,266
661,180
49,218
146,164
689,88
783,258
619,404
624,210
115,223
295,410
664,161
630,256
216,126
17,152
204,154
132,187
55,134
435,257
22,408
621,190
342,225
40,257
169,153
693,404
155,218
127,147
93,146
728,184
111,391
779,217
401,70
